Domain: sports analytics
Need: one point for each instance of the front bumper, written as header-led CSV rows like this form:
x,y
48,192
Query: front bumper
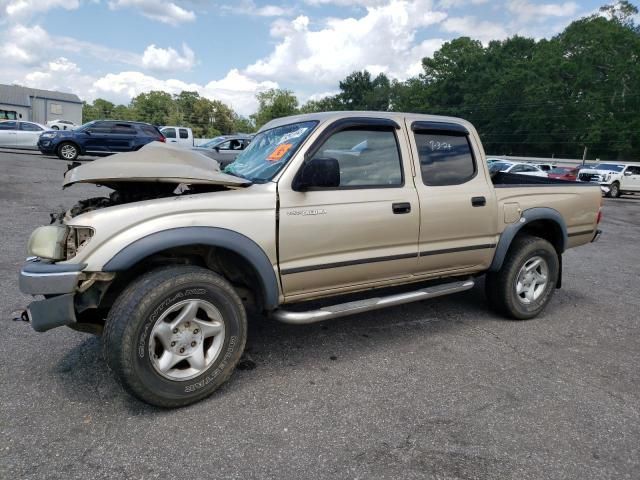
x,y
40,278
58,280
47,146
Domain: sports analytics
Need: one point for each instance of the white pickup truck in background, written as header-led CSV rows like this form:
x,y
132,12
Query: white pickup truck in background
x,y
179,135
616,178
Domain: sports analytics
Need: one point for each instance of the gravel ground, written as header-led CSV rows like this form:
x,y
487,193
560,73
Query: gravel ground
x,y
439,389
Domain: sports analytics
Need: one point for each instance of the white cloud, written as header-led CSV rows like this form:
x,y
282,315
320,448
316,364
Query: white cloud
x,y
249,7
540,11
383,39
460,3
160,11
58,74
167,59
347,3
470,26
24,9
234,89
29,46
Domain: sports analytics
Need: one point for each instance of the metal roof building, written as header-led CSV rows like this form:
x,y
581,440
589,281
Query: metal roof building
x,y
17,102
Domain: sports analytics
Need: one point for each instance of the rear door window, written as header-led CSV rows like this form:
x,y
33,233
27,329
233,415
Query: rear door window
x,y
446,158
184,133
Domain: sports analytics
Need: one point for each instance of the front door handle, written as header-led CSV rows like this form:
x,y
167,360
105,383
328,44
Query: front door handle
x,y
400,208
478,201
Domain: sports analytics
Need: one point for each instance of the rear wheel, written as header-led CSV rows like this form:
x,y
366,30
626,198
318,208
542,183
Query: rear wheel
x,y
68,151
524,285
55,127
175,335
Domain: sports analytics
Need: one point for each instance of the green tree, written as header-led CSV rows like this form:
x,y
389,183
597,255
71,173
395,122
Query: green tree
x,y
274,103
154,107
358,91
99,109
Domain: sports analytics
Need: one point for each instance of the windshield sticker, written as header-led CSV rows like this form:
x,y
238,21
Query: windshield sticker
x,y
279,152
294,134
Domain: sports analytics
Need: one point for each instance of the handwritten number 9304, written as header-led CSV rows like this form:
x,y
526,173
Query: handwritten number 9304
x,y
438,146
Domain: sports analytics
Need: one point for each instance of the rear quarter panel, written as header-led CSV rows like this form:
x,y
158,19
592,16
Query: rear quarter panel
x,y
577,204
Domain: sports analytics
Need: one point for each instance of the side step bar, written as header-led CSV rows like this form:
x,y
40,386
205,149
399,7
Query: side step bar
x,y
359,306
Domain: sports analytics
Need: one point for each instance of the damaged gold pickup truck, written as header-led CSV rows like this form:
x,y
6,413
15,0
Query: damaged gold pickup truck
x,y
323,215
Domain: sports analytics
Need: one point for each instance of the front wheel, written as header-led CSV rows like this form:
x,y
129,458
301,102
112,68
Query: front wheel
x,y
525,283
68,151
614,190
175,335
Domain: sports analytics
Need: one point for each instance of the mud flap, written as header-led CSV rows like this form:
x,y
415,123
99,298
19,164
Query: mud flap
x,y
559,282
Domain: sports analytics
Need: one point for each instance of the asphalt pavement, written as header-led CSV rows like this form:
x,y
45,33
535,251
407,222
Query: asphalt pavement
x,y
438,389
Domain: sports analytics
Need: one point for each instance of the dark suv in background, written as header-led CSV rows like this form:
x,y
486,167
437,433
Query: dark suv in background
x,y
100,137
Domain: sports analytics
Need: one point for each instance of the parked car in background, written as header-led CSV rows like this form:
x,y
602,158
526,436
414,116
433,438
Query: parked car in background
x,y
545,167
224,149
616,178
19,134
564,173
519,168
180,135
61,125
100,137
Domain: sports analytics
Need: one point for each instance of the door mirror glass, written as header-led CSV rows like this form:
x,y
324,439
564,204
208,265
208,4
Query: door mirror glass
x,y
318,173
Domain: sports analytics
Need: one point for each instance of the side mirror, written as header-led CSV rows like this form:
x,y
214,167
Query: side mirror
x,y
217,149
318,173
627,173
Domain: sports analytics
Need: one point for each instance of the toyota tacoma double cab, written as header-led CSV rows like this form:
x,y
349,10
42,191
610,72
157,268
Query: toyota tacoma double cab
x,y
322,215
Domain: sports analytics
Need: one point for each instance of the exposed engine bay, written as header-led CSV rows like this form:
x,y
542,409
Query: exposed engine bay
x,y
155,171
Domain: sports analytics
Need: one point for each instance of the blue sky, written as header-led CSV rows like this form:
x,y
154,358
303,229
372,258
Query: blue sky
x,y
115,49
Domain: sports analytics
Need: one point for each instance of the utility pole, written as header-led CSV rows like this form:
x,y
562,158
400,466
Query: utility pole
x,y
584,155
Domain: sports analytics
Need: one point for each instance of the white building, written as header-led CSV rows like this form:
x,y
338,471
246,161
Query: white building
x,y
41,106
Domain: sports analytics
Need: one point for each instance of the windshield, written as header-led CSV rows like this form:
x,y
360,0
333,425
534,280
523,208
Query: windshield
x,y
269,151
211,143
609,166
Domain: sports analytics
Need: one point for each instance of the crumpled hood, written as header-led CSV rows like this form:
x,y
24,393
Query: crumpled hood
x,y
155,162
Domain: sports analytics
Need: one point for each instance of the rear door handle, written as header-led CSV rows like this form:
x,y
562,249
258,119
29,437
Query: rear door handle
x,y
400,208
478,201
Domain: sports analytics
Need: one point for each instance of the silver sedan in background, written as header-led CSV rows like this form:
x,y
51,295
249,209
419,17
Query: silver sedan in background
x,y
225,148
19,134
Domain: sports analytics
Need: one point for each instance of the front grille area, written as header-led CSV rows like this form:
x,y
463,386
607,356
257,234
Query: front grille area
x,y
588,177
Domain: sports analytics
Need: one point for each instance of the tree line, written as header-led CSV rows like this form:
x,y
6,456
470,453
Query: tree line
x,y
556,97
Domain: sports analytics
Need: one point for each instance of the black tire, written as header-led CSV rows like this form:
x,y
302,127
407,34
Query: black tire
x,y
127,336
501,286
68,147
614,191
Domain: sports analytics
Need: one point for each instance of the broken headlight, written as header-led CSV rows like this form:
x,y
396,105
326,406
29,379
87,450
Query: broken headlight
x,y
58,242
48,242
77,238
